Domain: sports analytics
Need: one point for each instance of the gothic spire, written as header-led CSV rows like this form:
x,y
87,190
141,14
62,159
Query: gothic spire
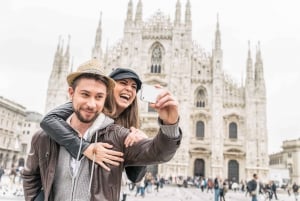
x,y
258,53
61,48
217,51
129,11
139,13
218,35
259,71
58,44
97,51
67,52
57,53
188,20
249,75
178,13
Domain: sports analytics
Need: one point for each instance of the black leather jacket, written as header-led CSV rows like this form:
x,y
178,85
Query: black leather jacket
x,y
55,125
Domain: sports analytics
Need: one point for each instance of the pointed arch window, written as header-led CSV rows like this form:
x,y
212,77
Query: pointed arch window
x,y
233,130
200,129
201,98
156,59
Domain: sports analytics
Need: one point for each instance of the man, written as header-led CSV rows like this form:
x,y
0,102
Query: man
x,y
253,186
295,188
51,168
274,188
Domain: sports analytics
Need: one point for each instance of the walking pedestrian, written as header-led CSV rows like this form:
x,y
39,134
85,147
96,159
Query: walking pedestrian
x,y
1,172
217,188
274,188
254,187
295,188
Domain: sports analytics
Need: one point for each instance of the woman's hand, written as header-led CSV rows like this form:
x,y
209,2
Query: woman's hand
x,y
134,136
102,154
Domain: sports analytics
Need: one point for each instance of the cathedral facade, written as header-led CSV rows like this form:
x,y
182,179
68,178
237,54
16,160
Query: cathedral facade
x,y
223,123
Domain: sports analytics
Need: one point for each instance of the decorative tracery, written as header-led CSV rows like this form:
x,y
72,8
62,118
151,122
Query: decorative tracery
x,y
156,60
201,98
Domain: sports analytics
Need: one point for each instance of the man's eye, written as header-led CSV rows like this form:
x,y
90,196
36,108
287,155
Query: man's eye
x,y
85,94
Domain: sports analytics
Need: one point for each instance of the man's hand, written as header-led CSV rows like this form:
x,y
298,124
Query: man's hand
x,y
134,136
167,107
102,154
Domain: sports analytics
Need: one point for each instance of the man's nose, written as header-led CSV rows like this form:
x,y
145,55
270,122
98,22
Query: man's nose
x,y
91,103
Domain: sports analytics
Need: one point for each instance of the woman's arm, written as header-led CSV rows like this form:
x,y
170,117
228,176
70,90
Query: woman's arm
x,y
135,173
55,125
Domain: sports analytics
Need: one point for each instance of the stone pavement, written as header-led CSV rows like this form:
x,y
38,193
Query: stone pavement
x,y
10,191
173,193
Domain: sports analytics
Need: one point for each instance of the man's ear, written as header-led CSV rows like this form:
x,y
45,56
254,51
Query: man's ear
x,y
71,93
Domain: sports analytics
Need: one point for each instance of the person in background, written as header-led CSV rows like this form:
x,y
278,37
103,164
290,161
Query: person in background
x,y
295,188
13,174
223,189
217,188
254,187
210,185
274,188
1,172
140,188
127,85
289,188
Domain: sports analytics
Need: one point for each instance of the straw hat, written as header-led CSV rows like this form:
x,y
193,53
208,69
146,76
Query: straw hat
x,y
92,66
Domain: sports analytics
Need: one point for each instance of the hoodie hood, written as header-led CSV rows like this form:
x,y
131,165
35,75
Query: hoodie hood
x,y
101,122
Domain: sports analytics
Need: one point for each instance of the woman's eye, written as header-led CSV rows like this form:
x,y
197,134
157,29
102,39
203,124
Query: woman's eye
x,y
99,97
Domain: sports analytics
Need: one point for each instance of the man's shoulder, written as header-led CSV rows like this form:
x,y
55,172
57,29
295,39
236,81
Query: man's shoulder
x,y
116,128
251,182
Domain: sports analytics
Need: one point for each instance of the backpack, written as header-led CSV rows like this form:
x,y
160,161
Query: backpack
x,y
216,184
295,188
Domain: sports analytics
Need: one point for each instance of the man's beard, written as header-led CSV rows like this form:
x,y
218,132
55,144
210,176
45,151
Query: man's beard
x,y
85,120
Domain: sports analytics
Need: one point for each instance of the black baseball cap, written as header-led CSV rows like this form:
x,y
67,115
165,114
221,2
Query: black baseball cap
x,y
125,73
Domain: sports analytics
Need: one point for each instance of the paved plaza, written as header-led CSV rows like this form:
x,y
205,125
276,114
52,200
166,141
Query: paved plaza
x,y
172,193
10,191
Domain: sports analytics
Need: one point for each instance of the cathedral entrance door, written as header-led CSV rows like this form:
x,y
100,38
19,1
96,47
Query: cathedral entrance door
x,y
233,171
199,167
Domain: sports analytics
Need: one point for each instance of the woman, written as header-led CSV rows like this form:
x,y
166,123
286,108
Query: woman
x,y
127,85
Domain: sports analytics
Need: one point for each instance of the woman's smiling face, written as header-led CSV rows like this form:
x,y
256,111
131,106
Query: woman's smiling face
x,y
124,93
